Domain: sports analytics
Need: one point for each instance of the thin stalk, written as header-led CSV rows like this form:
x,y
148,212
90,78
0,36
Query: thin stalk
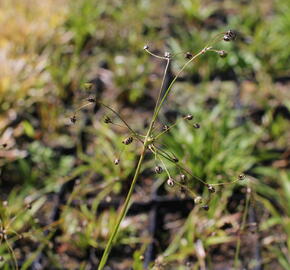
x,y
162,84
237,253
120,117
167,130
122,214
160,152
193,194
159,105
146,144
173,81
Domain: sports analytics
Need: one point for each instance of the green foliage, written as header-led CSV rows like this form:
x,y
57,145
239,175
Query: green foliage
x,y
48,49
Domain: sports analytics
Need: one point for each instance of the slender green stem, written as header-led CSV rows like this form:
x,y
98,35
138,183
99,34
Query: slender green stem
x,y
146,144
173,81
122,214
162,84
237,253
155,55
159,105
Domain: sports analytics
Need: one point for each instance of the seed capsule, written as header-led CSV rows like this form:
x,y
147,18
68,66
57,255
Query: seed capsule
x,y
73,119
146,47
198,200
175,159
189,117
211,189
116,161
242,176
226,38
182,178
222,53
128,140
92,100
158,169
196,125
230,35
188,55
167,54
165,128
170,182
108,120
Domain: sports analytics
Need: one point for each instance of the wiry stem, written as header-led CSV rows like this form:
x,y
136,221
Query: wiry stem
x,y
122,214
237,253
146,144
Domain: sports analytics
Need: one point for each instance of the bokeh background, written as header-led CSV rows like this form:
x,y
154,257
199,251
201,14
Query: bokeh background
x,y
54,54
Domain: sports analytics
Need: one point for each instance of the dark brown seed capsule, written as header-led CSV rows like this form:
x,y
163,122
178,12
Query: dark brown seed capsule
x,y
170,182
167,54
146,47
242,176
188,55
226,38
165,128
230,35
73,119
175,159
205,207
196,125
158,169
127,140
189,117
222,53
211,189
4,145
107,120
92,100
182,178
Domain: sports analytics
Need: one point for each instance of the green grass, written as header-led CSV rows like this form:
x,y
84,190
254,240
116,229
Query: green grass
x,y
42,83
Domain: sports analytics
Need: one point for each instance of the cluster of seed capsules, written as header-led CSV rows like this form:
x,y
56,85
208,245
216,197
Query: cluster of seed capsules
x,y
182,182
158,152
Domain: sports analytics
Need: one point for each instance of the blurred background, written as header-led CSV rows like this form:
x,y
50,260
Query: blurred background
x,y
54,54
